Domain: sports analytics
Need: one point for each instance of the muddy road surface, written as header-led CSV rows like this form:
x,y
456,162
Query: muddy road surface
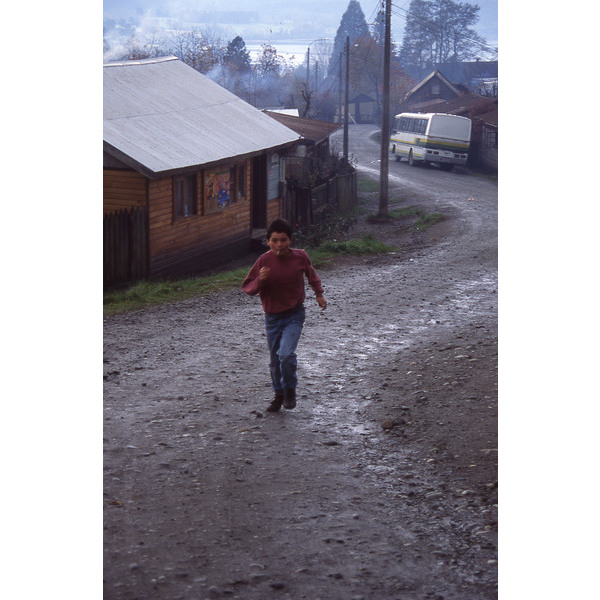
x,y
381,484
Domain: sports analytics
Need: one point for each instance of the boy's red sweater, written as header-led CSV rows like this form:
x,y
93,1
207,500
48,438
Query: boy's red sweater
x,y
284,289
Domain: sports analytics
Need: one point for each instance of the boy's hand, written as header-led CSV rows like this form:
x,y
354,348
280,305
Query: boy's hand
x,y
264,273
322,302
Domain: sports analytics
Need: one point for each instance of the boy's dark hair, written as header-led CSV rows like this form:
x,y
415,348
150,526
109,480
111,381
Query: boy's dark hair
x,y
279,226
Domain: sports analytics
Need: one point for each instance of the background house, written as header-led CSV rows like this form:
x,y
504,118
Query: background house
x,y
434,88
487,152
310,157
318,183
361,109
435,94
191,171
474,75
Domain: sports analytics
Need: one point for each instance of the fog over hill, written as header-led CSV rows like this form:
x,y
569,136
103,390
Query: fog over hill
x,y
270,20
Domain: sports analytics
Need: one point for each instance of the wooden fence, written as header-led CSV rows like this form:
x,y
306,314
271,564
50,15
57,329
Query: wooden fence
x,y
125,246
304,207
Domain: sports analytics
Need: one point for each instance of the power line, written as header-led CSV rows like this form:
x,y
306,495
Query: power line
x,y
437,28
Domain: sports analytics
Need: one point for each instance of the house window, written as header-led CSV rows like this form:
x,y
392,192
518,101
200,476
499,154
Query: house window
x,y
435,90
223,187
273,176
185,190
491,138
240,181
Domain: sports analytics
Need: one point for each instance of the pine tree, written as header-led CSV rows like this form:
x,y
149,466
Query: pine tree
x,y
353,25
237,58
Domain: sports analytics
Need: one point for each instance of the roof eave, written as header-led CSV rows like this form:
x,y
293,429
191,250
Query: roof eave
x,y
146,172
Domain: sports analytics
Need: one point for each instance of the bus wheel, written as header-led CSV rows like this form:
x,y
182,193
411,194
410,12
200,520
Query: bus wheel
x,y
411,160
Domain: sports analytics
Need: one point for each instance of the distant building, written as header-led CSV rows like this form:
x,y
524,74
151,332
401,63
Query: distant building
x,y
434,88
436,94
311,154
472,76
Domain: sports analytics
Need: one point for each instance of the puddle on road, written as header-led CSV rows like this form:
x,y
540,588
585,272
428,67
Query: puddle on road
x,y
338,362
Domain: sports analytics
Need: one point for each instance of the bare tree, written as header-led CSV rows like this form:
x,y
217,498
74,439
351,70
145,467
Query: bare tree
x,y
200,49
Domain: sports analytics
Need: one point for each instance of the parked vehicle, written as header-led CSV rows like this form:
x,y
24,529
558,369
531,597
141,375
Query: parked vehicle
x,y
431,138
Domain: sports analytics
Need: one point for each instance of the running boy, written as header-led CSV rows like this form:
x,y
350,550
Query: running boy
x,y
278,278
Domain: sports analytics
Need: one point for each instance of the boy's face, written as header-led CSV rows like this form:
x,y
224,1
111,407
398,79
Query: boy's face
x,y
279,243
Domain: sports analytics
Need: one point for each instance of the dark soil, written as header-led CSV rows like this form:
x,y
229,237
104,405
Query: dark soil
x,y
380,485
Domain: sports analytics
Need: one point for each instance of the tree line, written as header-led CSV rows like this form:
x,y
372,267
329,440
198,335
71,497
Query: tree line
x,y
436,31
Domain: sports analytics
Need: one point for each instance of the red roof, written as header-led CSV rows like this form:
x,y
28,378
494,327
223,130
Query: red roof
x,y
468,105
311,130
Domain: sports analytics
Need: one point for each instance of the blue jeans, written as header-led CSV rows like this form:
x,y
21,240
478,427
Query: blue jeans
x,y
283,333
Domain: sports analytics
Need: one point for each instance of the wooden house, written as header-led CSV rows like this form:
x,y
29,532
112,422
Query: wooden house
x,y
448,98
311,156
487,150
435,87
318,185
191,171
361,109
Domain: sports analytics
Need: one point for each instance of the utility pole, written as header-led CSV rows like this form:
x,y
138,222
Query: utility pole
x,y
385,117
346,98
340,91
306,94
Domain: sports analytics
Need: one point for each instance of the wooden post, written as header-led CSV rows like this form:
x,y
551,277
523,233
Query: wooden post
x,y
385,117
346,98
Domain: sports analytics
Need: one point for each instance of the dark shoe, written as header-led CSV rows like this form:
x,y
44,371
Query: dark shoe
x,y
289,399
276,402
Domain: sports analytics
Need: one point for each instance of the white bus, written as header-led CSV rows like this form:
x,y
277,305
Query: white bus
x,y
431,138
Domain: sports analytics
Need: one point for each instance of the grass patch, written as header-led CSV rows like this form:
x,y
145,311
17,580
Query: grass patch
x,y
366,184
149,293
427,220
152,293
423,222
368,244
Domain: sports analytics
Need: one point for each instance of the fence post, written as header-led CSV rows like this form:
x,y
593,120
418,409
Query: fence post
x,y
125,251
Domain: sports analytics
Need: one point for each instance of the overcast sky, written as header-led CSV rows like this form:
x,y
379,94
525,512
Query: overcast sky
x,y
276,14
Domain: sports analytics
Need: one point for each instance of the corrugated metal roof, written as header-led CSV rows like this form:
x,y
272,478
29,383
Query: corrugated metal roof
x,y
161,115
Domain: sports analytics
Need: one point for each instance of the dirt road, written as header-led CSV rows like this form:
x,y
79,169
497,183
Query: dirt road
x,y
380,485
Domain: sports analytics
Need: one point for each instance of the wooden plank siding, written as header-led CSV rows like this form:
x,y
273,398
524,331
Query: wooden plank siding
x,y
185,245
125,246
179,246
124,190
273,210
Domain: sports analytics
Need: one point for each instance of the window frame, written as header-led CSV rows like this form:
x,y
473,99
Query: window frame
x,y
185,196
